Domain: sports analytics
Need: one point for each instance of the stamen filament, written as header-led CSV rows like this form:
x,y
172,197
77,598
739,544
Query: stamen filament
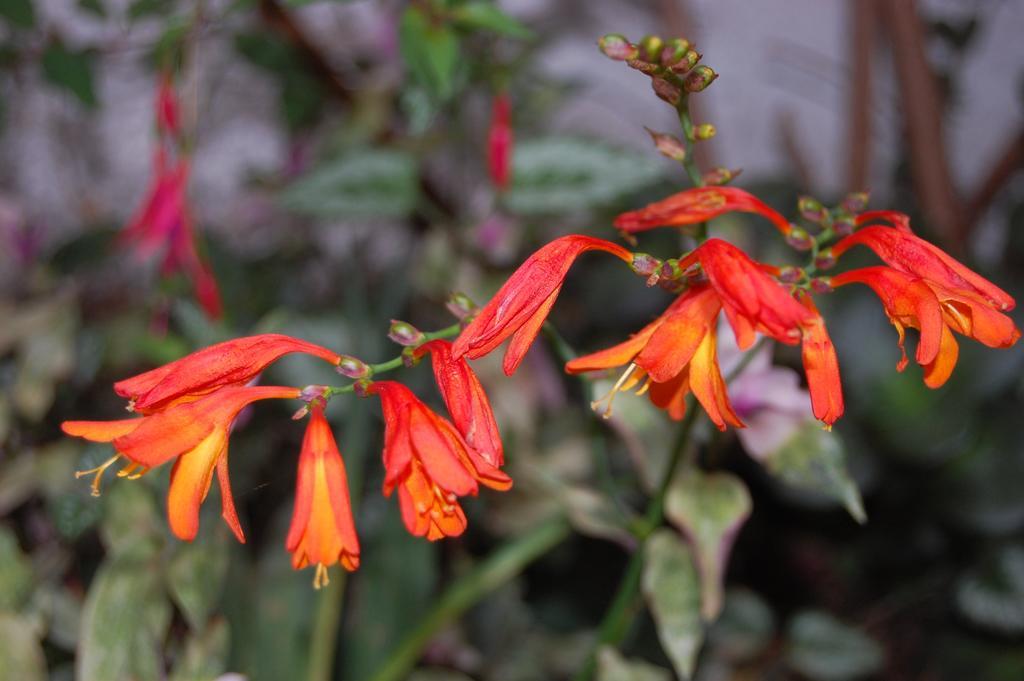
x,y
321,577
98,473
606,413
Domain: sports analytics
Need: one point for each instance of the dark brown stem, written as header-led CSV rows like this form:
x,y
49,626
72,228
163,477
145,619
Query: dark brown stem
x,y
859,133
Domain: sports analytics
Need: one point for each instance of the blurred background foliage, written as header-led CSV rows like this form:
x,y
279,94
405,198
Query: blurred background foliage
x,y
341,181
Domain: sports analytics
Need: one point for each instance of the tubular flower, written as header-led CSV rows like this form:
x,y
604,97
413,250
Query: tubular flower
x,y
499,142
429,463
231,363
520,307
753,301
195,434
698,205
466,401
677,354
322,531
936,311
898,220
822,368
907,253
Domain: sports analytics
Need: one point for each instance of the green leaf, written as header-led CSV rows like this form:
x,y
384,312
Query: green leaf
x,y
124,623
814,460
710,509
132,526
15,572
205,656
487,16
822,648
141,9
613,667
557,175
745,628
430,50
195,576
672,589
71,71
20,13
594,514
992,594
93,7
361,184
21,655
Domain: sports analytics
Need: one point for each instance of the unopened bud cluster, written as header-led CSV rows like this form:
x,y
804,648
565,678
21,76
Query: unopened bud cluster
x,y
672,64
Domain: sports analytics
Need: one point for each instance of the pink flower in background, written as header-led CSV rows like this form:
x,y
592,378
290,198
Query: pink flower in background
x,y
499,142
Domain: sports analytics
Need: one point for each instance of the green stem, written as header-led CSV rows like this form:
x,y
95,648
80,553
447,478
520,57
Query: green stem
x,y
500,567
325,629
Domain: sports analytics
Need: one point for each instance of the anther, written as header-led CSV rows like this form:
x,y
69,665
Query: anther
x,y
98,473
606,413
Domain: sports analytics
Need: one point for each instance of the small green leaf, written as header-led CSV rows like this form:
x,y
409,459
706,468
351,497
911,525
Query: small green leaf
x,y
822,648
745,628
557,175
15,572
614,667
20,13
487,16
205,656
21,655
195,576
361,184
71,71
992,594
430,50
672,589
710,509
595,515
814,460
124,622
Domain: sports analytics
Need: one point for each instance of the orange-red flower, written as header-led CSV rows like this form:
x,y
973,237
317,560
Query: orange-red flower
x,y
466,401
753,301
429,463
822,368
195,433
322,531
936,311
698,205
520,307
230,363
677,353
900,221
907,253
499,141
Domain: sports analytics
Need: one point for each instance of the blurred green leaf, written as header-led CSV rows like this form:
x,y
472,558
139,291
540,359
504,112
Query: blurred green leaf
x,y
93,6
205,655
21,656
559,175
487,16
132,526
361,184
822,648
745,628
71,70
992,594
141,9
124,623
672,589
20,13
438,675
15,572
430,50
611,666
710,509
18,481
814,460
595,515
195,576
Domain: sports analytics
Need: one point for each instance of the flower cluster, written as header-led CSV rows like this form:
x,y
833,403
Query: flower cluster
x,y
187,408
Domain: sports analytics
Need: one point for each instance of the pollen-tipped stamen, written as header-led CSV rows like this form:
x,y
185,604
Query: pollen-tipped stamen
x,y
321,578
98,473
133,471
609,398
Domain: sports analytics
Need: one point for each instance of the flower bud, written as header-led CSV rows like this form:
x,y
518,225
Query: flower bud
x,y
362,387
410,358
855,202
351,367
650,48
688,61
667,145
644,67
699,78
405,333
645,264
812,210
311,395
674,51
670,269
825,260
821,285
460,305
844,226
615,46
799,239
720,176
666,90
790,274
704,131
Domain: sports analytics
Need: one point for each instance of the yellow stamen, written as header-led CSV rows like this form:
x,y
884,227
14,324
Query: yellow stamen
x,y
133,471
321,578
610,397
98,472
